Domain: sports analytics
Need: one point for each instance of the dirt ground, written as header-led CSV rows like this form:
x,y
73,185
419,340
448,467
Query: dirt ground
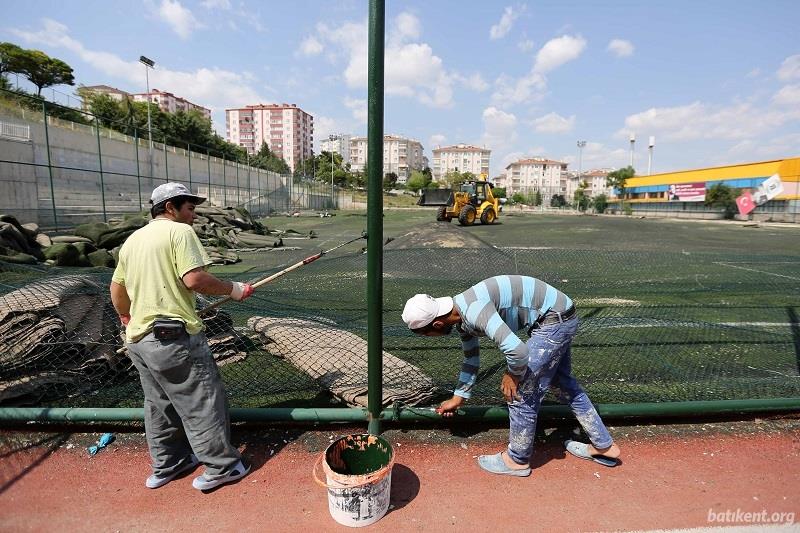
x,y
673,476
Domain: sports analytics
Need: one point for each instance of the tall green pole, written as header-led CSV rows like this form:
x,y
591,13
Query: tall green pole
x,y
138,173
49,164
375,214
100,164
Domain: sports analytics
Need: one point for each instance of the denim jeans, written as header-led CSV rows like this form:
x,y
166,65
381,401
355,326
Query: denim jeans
x,y
550,365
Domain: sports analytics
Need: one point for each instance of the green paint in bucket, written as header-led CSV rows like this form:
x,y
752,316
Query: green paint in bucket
x,y
358,469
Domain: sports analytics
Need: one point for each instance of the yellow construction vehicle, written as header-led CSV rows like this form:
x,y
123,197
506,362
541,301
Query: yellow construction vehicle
x,y
474,201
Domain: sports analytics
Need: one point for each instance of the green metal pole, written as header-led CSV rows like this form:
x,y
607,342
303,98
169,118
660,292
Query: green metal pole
x,y
224,182
166,164
138,173
643,411
208,161
189,157
377,32
100,163
49,165
238,189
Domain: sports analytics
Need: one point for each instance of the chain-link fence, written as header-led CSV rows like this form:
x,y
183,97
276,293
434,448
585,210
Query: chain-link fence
x,y
655,327
58,168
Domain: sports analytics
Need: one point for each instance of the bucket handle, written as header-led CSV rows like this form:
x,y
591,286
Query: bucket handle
x,y
368,478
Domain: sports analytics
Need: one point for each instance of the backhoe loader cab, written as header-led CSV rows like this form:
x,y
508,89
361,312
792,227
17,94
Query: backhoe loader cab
x,y
474,201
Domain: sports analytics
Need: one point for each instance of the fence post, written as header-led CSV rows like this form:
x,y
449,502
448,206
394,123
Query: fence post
x,y
49,165
208,161
138,173
238,196
224,182
166,163
377,34
100,163
189,157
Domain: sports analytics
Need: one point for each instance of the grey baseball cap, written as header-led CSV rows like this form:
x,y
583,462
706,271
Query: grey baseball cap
x,y
162,193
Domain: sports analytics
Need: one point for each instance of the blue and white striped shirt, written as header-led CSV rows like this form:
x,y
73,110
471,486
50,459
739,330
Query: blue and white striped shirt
x,y
498,307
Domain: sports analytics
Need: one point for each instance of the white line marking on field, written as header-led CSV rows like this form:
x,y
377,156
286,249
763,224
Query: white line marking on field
x,y
656,323
721,263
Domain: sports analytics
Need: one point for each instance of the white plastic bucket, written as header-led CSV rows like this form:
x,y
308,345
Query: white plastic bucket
x,y
358,471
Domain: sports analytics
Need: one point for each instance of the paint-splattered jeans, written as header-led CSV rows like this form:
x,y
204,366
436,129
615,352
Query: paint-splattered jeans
x,y
550,365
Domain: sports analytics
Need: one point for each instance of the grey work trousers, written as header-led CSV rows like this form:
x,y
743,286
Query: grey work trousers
x,y
185,407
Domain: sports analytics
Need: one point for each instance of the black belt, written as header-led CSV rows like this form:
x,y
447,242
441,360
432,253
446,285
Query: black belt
x,y
553,317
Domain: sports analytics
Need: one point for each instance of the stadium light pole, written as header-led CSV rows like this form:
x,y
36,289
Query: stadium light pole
x,y
633,140
331,138
650,146
581,144
148,64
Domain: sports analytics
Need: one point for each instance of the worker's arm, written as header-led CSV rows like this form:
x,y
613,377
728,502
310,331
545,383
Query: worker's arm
x,y
198,280
121,301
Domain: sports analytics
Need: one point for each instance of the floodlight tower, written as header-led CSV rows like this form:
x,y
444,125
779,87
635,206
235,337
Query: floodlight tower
x,y
650,146
633,141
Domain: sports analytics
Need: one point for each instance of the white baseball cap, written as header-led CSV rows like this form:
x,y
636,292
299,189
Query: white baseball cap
x,y
167,191
422,309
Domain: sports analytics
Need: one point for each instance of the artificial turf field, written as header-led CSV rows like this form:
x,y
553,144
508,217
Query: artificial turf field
x,y
671,310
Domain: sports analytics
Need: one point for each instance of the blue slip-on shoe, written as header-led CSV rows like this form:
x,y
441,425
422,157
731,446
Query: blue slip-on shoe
x,y
154,481
496,465
581,449
238,471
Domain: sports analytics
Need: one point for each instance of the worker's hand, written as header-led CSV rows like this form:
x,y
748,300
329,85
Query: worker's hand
x,y
508,386
241,291
448,407
125,319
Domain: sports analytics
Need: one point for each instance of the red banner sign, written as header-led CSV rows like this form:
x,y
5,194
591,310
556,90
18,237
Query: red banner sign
x,y
687,192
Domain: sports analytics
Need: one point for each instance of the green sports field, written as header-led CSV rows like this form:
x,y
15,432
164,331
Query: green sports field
x,y
670,310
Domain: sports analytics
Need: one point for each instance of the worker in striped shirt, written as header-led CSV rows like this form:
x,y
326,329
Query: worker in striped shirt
x,y
499,307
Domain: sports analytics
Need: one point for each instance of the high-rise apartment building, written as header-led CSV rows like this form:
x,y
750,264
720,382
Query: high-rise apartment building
x,y
460,158
338,143
285,128
169,103
400,155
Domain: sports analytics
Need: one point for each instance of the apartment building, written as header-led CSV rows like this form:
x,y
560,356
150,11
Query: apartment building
x,y
537,173
117,94
169,103
460,158
596,181
285,128
339,144
400,155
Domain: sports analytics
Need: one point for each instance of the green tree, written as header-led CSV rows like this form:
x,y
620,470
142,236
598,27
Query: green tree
x,y
600,203
558,200
518,198
10,55
617,179
417,181
267,160
44,71
499,192
721,195
537,198
389,181
580,197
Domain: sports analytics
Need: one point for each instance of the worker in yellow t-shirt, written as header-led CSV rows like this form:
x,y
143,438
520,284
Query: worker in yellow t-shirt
x,y
161,266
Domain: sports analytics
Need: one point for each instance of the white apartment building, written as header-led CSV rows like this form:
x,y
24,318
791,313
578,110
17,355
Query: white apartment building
x,y
285,128
400,155
169,103
460,158
595,179
339,144
117,94
537,173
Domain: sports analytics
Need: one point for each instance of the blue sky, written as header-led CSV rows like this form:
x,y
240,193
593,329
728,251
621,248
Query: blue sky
x,y
715,82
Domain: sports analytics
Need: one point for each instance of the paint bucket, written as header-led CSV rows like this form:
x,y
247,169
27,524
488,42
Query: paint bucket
x,y
358,471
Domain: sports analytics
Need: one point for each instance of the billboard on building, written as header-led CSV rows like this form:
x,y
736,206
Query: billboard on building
x,y
769,189
687,192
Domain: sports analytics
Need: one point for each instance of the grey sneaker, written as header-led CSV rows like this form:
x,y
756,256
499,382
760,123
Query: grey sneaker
x,y
238,471
154,481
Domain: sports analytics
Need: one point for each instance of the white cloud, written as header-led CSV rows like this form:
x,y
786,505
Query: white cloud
x,y
210,87
597,155
774,147
412,69
554,123
788,95
559,51
756,72
697,121
324,126
216,4
508,91
181,19
437,139
358,108
525,45
310,46
499,129
501,29
790,68
620,47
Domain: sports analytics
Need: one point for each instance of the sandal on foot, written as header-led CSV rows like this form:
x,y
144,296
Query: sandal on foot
x,y
496,465
581,449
